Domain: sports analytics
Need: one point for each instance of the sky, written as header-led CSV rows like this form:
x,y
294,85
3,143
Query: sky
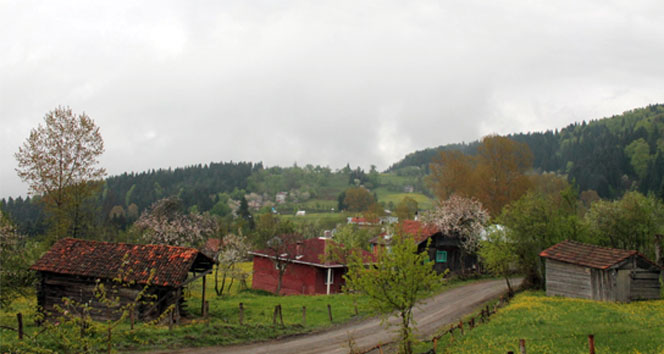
x,y
177,83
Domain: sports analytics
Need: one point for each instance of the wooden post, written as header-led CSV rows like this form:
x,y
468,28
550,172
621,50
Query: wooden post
x,y
522,346
109,347
207,308
241,313
355,304
170,321
281,316
203,298
131,317
19,318
435,344
329,311
304,315
380,349
591,343
471,323
461,326
274,315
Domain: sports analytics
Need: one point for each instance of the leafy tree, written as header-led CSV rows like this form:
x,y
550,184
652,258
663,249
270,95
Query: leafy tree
x,y
166,223
501,168
495,176
406,208
347,239
395,283
59,160
283,249
234,250
267,226
628,223
15,260
537,221
358,199
244,213
498,254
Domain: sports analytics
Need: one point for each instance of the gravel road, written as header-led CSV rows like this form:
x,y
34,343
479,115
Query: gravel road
x,y
432,314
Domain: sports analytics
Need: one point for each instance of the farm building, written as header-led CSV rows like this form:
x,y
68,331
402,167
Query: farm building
x,y
576,269
72,267
444,250
308,271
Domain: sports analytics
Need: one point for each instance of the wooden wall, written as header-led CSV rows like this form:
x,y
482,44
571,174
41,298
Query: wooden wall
x,y
645,285
52,287
564,279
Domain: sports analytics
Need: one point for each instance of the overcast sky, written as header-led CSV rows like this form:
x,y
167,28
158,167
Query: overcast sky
x,y
175,83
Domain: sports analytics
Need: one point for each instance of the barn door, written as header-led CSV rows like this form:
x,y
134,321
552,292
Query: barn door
x,y
622,285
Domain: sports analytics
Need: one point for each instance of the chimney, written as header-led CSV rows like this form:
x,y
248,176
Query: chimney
x,y
298,248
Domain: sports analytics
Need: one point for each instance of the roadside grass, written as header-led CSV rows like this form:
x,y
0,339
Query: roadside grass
x,y
221,327
562,325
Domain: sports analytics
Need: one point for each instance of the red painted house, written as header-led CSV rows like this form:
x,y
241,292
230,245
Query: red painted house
x,y
308,272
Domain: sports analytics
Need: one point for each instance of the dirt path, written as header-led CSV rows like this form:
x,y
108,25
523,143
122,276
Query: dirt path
x,y
437,311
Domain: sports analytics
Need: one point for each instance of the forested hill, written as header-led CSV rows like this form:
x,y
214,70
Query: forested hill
x,y
608,155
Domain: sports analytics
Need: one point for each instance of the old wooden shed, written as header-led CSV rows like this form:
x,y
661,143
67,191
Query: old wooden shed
x,y
72,267
580,270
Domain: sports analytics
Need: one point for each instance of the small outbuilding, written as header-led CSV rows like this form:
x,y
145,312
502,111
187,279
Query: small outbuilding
x,y
445,251
72,267
309,270
575,269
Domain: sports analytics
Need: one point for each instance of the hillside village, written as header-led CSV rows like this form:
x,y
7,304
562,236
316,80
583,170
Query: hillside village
x,y
150,253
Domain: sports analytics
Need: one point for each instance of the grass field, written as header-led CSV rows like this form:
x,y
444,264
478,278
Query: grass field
x,y
221,327
562,325
423,202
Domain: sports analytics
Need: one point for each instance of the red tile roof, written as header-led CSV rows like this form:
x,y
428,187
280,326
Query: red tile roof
x,y
312,251
103,260
587,255
417,229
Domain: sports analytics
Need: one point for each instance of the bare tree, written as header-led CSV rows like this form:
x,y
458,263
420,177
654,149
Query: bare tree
x,y
283,250
59,161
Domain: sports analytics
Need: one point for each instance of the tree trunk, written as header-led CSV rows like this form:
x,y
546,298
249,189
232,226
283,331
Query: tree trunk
x,y
406,341
509,286
281,275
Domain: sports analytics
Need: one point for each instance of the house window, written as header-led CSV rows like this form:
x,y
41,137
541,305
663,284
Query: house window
x,y
441,256
331,276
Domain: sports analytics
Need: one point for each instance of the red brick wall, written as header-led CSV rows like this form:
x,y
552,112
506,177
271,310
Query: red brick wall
x,y
298,278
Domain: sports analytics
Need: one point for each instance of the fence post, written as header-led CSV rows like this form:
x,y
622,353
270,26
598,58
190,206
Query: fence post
x,y
241,313
355,304
461,326
522,346
170,320
435,344
591,343
19,318
131,317
207,308
380,349
281,316
109,347
304,315
274,315
329,312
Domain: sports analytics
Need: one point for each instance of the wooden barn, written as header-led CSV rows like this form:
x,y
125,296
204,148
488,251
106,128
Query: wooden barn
x,y
72,267
575,269
444,250
308,272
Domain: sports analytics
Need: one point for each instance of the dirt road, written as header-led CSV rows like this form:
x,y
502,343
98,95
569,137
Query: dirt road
x,y
437,311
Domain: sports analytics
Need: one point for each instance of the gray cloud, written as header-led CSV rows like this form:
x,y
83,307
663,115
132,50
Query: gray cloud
x,y
173,83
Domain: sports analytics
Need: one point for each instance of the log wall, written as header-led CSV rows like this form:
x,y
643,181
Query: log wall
x,y
54,287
